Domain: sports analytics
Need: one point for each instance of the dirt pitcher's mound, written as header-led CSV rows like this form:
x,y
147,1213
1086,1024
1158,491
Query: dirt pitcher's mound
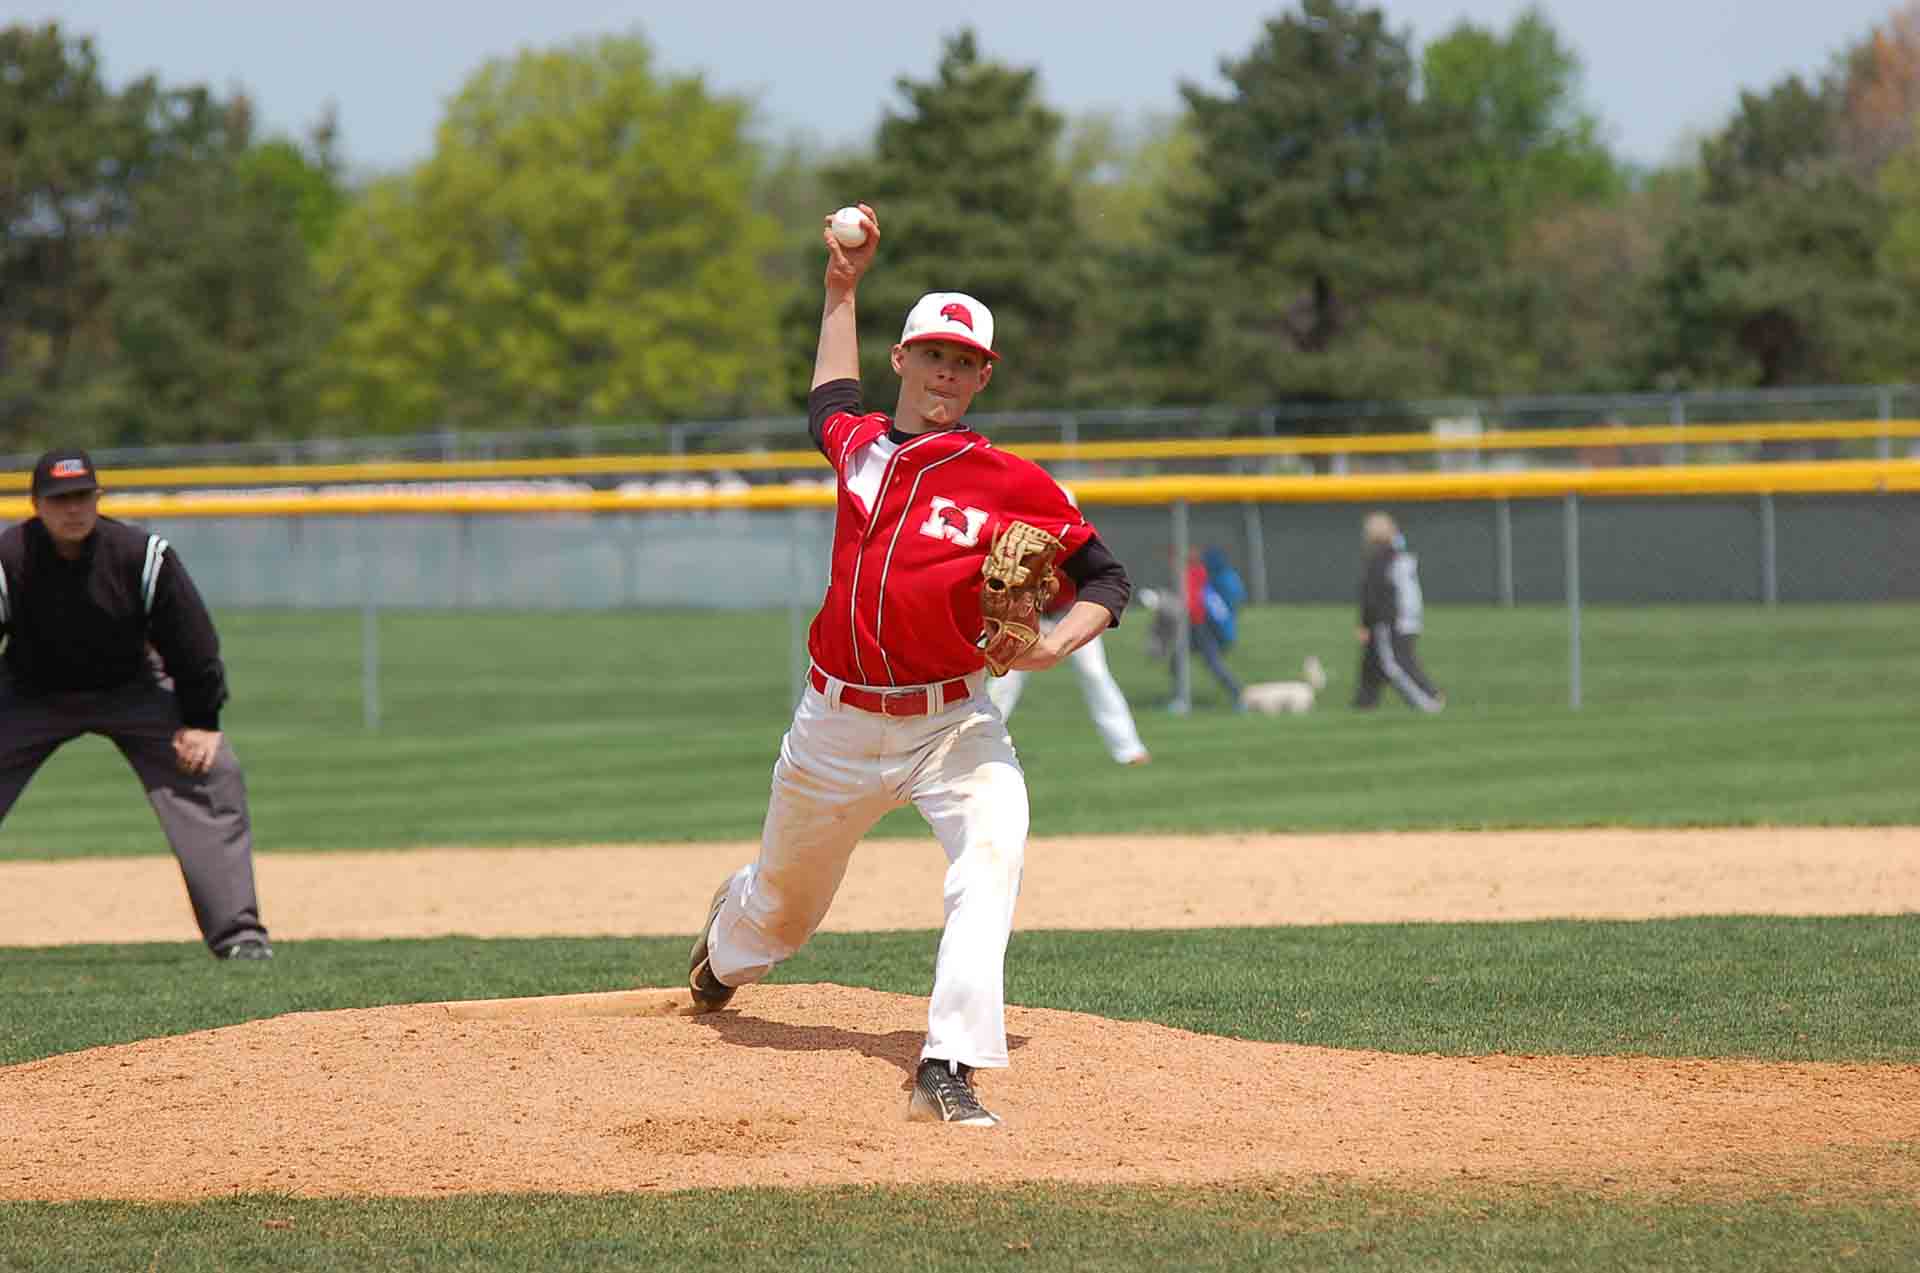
x,y
807,1085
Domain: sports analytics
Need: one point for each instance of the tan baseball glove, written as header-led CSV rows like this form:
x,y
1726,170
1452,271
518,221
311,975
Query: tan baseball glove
x,y
1018,586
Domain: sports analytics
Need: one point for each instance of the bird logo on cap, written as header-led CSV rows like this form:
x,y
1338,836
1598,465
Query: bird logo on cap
x,y
959,314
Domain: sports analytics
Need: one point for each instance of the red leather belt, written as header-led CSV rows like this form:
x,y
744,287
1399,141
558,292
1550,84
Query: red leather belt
x,y
906,702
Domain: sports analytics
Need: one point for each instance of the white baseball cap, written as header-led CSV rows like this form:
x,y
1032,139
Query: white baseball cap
x,y
953,316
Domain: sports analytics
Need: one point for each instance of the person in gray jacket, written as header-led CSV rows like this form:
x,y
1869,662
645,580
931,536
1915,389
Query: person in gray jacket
x,y
1391,617
106,634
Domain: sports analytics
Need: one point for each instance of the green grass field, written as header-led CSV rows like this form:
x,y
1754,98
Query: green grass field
x,y
551,729
547,728
1768,989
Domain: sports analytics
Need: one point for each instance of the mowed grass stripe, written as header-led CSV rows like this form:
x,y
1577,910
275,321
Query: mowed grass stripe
x,y
567,728
1322,1225
1842,989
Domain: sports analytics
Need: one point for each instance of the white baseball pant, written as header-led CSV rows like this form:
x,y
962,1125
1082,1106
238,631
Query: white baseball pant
x,y
1105,703
840,769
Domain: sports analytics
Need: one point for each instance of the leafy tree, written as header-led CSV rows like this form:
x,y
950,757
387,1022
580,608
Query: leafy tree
x,y
1125,176
1578,279
583,243
1878,91
1779,138
1329,239
1775,279
972,196
215,313
68,150
306,182
103,194
1779,291
1900,186
1533,147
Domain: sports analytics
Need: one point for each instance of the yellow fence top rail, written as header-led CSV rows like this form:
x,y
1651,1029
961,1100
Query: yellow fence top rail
x,y
1826,477
1599,436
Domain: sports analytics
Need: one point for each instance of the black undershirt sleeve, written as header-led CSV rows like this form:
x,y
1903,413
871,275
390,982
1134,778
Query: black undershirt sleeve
x,y
826,401
1098,576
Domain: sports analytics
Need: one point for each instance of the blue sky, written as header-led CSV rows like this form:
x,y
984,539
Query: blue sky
x,y
1658,72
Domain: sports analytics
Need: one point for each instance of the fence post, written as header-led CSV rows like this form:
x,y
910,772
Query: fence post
x,y
1769,562
1886,414
1182,678
1256,554
369,637
1503,549
462,559
1573,600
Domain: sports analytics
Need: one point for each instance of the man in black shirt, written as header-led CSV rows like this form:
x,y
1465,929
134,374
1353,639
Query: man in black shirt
x,y
106,634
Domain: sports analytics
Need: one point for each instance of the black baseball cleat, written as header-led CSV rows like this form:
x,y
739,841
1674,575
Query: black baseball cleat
x,y
710,994
943,1093
247,948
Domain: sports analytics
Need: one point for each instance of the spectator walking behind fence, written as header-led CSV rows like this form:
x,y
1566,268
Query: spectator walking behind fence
x,y
1391,617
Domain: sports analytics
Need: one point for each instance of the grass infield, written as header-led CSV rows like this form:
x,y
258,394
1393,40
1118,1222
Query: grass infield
x,y
1831,989
1332,1227
1768,988
501,728
594,728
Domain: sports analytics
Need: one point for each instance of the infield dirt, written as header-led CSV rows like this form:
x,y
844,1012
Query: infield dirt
x,y
806,1084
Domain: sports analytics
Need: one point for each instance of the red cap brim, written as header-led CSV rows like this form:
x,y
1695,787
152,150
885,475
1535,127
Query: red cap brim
x,y
952,339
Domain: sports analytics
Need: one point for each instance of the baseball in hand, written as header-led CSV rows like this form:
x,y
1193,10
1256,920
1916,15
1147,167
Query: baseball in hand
x,y
847,227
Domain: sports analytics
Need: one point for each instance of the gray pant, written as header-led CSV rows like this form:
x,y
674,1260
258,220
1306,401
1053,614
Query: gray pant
x,y
204,815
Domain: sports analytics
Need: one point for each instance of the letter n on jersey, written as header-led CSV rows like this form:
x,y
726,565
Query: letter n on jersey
x,y
957,522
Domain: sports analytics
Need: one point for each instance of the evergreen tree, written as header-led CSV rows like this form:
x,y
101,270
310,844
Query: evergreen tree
x,y
1331,233
972,196
1775,279
145,291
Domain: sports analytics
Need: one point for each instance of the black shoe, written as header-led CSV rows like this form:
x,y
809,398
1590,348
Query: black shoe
x,y
247,948
943,1093
710,994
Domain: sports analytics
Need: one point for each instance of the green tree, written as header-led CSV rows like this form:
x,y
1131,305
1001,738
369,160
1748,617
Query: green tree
x,y
1533,146
213,305
1548,195
583,244
1780,138
110,201
1127,176
1775,278
1329,242
973,196
1576,282
305,181
68,150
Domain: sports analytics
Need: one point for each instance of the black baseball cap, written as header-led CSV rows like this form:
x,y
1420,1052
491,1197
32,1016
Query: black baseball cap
x,y
62,471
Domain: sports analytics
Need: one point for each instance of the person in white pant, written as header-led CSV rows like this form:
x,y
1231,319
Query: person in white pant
x,y
1105,703
895,711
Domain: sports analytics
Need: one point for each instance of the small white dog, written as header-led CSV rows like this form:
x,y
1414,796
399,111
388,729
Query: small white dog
x,y
1279,697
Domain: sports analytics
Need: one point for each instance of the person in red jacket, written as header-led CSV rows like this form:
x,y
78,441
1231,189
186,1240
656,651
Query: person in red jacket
x,y
1204,626
895,710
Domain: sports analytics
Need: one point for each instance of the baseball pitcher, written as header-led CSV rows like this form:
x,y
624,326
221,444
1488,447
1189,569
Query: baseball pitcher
x,y
946,552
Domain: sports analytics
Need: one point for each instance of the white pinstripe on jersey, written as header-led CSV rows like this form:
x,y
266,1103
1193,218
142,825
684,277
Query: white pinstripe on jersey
x,y
150,573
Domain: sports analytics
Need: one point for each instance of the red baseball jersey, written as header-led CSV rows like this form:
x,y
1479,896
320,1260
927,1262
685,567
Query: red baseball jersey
x,y
913,528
